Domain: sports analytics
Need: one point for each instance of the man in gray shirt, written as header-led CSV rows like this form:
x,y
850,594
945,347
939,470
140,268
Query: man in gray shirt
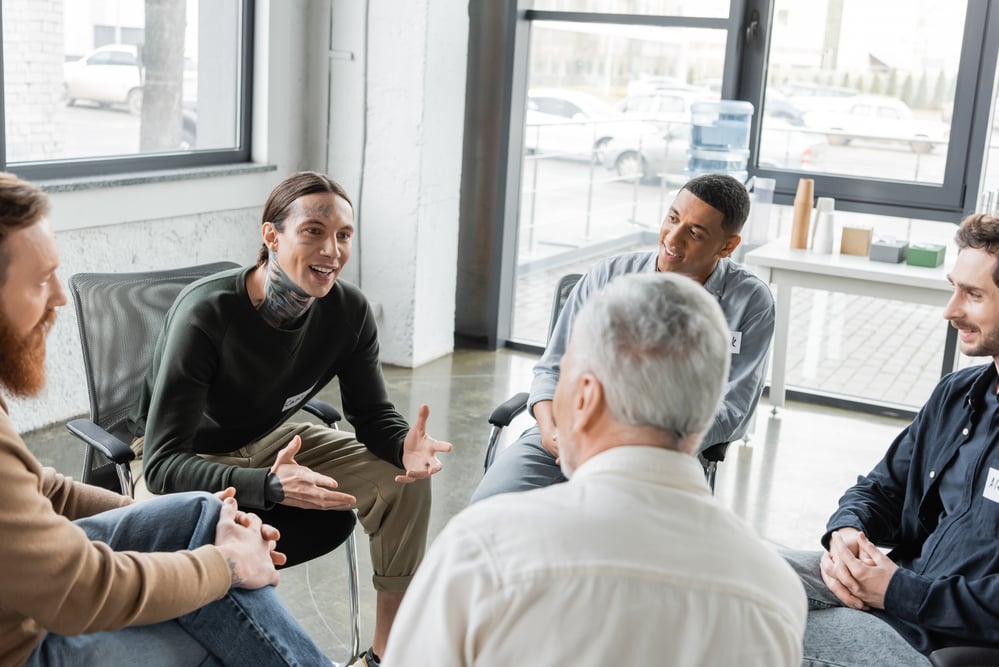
x,y
699,233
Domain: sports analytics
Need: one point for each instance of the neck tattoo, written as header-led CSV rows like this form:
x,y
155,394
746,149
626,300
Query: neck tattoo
x,y
284,301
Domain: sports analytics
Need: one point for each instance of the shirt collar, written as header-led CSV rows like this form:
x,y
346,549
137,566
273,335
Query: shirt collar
x,y
647,463
716,281
984,383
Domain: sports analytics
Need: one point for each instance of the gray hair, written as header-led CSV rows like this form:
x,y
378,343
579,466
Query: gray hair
x,y
658,343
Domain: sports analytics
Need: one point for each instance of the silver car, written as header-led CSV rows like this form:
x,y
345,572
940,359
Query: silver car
x,y
665,155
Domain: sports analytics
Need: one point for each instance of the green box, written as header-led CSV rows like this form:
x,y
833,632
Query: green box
x,y
925,254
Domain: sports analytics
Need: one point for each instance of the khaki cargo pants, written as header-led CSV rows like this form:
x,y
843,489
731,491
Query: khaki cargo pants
x,y
394,516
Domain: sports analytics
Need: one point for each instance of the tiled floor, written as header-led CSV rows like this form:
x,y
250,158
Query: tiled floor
x,y
785,480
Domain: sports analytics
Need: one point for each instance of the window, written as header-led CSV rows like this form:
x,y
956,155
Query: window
x,y
873,83
886,104
606,132
102,86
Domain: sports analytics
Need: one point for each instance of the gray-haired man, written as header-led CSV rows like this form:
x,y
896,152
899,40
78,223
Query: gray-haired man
x,y
632,561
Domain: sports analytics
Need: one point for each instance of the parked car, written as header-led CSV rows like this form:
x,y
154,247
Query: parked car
x,y
665,155
112,75
571,124
876,118
778,105
665,106
107,75
650,84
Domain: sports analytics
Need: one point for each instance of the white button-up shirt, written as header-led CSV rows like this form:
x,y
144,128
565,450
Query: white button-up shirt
x,y
632,562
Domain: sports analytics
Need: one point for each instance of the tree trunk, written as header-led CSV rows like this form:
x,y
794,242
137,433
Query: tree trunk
x,y
162,57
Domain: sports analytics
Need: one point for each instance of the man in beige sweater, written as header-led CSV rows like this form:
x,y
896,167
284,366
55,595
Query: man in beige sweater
x,y
87,576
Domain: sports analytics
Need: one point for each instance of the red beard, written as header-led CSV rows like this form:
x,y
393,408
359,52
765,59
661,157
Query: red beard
x,y
22,359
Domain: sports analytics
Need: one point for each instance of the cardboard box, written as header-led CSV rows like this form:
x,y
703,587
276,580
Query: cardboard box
x,y
891,251
856,241
925,254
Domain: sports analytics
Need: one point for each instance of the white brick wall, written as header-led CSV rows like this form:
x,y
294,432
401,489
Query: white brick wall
x,y
33,57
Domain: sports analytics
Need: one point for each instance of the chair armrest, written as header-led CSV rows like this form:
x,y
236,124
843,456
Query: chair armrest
x,y
964,656
715,453
505,412
323,411
96,437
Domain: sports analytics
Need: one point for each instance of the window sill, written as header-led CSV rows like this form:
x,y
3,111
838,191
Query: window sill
x,y
148,177
98,201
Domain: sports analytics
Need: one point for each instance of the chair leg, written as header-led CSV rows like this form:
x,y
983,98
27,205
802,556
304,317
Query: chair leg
x,y
709,472
494,437
353,600
124,471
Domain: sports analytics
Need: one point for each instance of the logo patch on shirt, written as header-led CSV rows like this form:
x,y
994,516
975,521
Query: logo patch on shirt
x,y
735,342
292,401
992,486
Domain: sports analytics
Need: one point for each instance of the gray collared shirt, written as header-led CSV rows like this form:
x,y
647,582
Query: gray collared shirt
x,y
747,304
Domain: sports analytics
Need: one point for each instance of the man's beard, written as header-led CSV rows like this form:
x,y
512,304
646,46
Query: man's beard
x,y
987,346
22,359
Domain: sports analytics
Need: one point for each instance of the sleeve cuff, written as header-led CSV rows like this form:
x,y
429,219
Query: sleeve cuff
x,y
250,484
905,594
273,491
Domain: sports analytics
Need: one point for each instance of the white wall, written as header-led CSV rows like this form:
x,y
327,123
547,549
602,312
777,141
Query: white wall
x,y
407,244
408,214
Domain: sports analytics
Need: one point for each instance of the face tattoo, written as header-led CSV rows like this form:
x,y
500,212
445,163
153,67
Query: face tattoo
x,y
284,301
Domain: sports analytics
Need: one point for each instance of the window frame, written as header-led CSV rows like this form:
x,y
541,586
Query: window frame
x,y
105,166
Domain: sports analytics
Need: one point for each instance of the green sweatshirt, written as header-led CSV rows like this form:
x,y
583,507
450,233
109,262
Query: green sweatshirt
x,y
222,378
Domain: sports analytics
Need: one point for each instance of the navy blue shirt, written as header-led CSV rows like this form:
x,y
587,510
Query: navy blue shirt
x,y
934,498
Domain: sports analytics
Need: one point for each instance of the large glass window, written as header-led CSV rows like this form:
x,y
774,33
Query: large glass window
x,y
884,103
606,139
96,86
871,85
878,84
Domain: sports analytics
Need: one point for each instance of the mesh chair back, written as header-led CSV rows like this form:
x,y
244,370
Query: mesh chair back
x,y
120,316
562,291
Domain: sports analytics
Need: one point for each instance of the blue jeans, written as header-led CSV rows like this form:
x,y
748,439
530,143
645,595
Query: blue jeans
x,y
841,636
522,466
242,628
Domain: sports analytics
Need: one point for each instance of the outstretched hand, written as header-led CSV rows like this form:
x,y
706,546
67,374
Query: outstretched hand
x,y
419,452
303,487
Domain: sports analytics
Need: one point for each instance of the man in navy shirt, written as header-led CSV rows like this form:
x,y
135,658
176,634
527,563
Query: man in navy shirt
x,y
933,500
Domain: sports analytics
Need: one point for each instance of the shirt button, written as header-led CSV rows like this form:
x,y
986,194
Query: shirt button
x,y
933,473
964,432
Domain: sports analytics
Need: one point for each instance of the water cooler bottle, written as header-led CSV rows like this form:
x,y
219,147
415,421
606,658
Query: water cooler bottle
x,y
719,138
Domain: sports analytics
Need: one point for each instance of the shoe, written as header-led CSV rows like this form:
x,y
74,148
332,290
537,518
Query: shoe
x,y
369,659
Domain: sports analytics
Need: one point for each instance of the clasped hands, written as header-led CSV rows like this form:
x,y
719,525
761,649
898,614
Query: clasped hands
x,y
855,570
303,487
248,545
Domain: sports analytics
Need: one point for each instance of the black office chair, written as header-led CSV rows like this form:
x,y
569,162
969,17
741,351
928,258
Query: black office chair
x,y
120,316
965,656
507,411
